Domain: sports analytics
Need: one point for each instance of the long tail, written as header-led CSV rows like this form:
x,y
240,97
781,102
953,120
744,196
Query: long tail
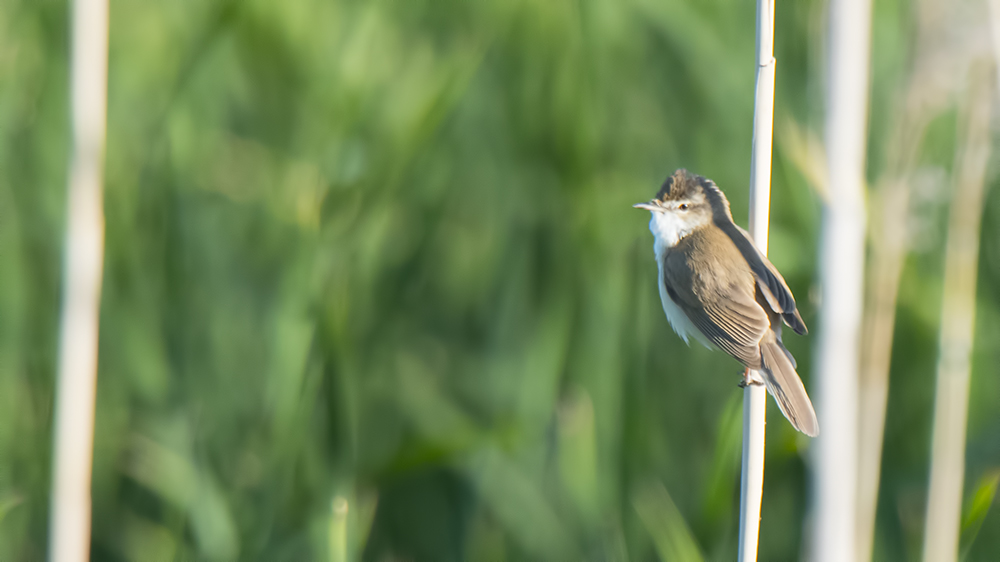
x,y
785,385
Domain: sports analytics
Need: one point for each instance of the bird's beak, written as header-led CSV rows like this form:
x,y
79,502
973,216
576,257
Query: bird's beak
x,y
650,206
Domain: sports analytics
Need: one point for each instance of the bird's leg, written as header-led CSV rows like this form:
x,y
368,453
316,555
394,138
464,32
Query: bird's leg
x,y
745,382
748,379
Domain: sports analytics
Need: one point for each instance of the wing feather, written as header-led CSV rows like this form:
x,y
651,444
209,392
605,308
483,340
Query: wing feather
x,y
772,284
728,314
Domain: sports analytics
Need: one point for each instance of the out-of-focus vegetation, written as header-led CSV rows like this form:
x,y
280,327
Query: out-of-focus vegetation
x,y
383,252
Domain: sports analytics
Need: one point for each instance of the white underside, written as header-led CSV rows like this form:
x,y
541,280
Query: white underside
x,y
667,232
679,321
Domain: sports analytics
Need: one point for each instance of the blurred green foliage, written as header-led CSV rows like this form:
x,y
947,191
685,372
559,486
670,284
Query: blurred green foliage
x,y
383,252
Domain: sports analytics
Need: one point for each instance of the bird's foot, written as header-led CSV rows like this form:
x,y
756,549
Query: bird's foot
x,y
749,379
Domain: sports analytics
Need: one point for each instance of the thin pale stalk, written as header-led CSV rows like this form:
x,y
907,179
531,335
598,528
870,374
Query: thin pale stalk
x,y
69,535
890,217
842,254
994,17
928,93
755,395
885,269
958,315
338,530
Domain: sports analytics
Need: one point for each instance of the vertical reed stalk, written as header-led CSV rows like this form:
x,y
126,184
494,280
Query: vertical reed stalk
x,y
755,395
928,93
958,316
69,538
888,253
842,255
338,529
889,224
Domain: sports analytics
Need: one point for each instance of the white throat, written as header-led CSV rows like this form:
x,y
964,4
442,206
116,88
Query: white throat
x,y
667,229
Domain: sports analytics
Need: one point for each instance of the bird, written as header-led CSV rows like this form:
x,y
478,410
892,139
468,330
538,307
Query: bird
x,y
719,289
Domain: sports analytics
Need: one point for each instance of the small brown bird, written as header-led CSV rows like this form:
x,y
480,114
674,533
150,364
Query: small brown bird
x,y
718,288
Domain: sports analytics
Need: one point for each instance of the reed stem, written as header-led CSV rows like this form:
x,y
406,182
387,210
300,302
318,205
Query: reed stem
x,y
842,266
958,318
755,395
69,535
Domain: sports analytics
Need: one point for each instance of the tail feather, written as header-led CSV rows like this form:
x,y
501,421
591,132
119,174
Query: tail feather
x,y
785,385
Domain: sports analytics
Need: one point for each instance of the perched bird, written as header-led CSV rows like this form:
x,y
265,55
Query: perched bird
x,y
719,289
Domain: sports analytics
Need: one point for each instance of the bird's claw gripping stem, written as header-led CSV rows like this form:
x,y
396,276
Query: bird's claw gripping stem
x,y
748,379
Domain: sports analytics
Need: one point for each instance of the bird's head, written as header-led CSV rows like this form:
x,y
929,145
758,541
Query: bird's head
x,y
685,203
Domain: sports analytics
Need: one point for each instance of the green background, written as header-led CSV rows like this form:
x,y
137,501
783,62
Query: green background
x,y
384,251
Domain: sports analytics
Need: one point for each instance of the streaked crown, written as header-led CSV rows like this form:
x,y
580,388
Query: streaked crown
x,y
683,185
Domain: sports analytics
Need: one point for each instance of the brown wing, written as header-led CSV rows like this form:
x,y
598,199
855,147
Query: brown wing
x,y
722,307
771,284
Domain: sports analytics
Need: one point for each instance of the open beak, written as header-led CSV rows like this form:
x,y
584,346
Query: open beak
x,y
650,206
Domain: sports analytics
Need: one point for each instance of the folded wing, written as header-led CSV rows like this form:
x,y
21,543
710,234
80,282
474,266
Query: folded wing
x,y
771,284
727,313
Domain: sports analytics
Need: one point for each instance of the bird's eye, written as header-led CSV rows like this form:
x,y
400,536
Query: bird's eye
x,y
683,206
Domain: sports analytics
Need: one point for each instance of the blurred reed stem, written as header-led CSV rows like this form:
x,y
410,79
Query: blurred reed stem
x,y
665,524
958,315
338,529
69,527
842,255
922,100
